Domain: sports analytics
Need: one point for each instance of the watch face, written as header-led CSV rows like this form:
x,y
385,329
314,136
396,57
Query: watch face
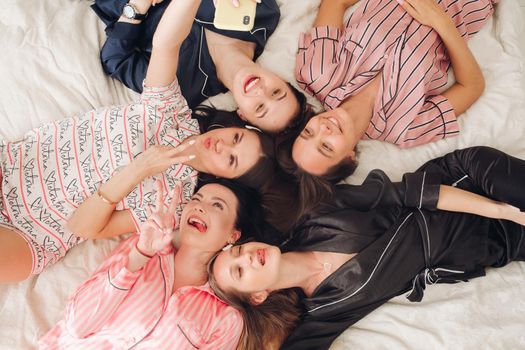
x,y
128,12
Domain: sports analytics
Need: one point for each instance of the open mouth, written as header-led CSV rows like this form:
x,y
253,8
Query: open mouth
x,y
198,224
250,83
261,256
335,122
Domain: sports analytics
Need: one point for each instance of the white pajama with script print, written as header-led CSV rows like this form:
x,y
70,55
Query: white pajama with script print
x,y
48,174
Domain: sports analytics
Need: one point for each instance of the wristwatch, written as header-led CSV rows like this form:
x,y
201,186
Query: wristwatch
x,y
131,12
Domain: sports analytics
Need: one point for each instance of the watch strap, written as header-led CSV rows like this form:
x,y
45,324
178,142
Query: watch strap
x,y
140,16
136,15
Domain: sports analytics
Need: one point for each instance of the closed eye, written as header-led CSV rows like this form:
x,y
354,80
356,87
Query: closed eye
x,y
261,111
327,147
218,205
306,133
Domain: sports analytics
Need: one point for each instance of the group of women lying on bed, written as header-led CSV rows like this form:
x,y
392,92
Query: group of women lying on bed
x,y
205,269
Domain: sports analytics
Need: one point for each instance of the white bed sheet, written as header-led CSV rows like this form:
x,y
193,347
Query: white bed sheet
x,y
50,69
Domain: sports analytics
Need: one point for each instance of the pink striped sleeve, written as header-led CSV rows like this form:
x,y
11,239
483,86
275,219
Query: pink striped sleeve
x,y
163,96
96,300
317,58
435,121
229,332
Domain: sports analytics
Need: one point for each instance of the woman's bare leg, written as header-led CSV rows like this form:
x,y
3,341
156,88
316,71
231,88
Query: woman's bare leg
x,y
15,257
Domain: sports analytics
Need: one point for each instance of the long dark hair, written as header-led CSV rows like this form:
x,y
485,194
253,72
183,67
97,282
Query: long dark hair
x,y
210,118
309,190
303,115
249,215
266,325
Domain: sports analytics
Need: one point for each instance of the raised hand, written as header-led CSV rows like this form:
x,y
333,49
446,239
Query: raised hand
x,y
426,12
157,232
157,159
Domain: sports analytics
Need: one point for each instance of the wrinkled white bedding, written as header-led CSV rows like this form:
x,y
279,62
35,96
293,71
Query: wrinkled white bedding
x,y
50,69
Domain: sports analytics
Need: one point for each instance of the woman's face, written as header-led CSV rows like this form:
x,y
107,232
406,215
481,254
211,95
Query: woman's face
x,y
264,99
248,268
227,152
208,219
325,141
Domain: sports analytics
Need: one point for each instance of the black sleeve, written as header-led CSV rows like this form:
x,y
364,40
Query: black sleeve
x,y
126,53
416,190
121,58
483,170
317,334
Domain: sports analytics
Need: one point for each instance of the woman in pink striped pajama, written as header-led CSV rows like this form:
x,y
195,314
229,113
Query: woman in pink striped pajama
x,y
92,176
382,76
148,296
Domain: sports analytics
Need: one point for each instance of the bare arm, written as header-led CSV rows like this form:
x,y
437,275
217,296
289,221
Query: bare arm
x,y
96,216
331,12
173,28
469,80
458,200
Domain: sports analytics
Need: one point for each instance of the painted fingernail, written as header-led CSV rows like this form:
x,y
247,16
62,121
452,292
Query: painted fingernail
x,y
191,156
400,2
191,142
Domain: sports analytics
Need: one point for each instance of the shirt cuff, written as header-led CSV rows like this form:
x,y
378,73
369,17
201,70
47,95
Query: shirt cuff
x,y
422,190
124,31
448,116
123,279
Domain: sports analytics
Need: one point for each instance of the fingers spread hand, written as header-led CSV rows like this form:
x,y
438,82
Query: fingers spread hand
x,y
183,146
159,204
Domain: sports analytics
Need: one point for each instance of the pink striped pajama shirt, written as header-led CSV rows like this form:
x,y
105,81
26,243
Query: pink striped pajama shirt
x,y
119,309
381,38
47,175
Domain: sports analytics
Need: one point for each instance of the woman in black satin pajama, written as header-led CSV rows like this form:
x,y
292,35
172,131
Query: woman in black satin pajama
x,y
402,241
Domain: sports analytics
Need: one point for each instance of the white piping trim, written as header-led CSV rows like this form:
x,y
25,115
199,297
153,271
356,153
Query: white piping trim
x,y
201,21
426,231
421,193
456,183
373,271
448,270
256,30
200,51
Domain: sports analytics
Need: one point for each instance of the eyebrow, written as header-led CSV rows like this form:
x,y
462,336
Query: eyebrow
x,y
235,158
